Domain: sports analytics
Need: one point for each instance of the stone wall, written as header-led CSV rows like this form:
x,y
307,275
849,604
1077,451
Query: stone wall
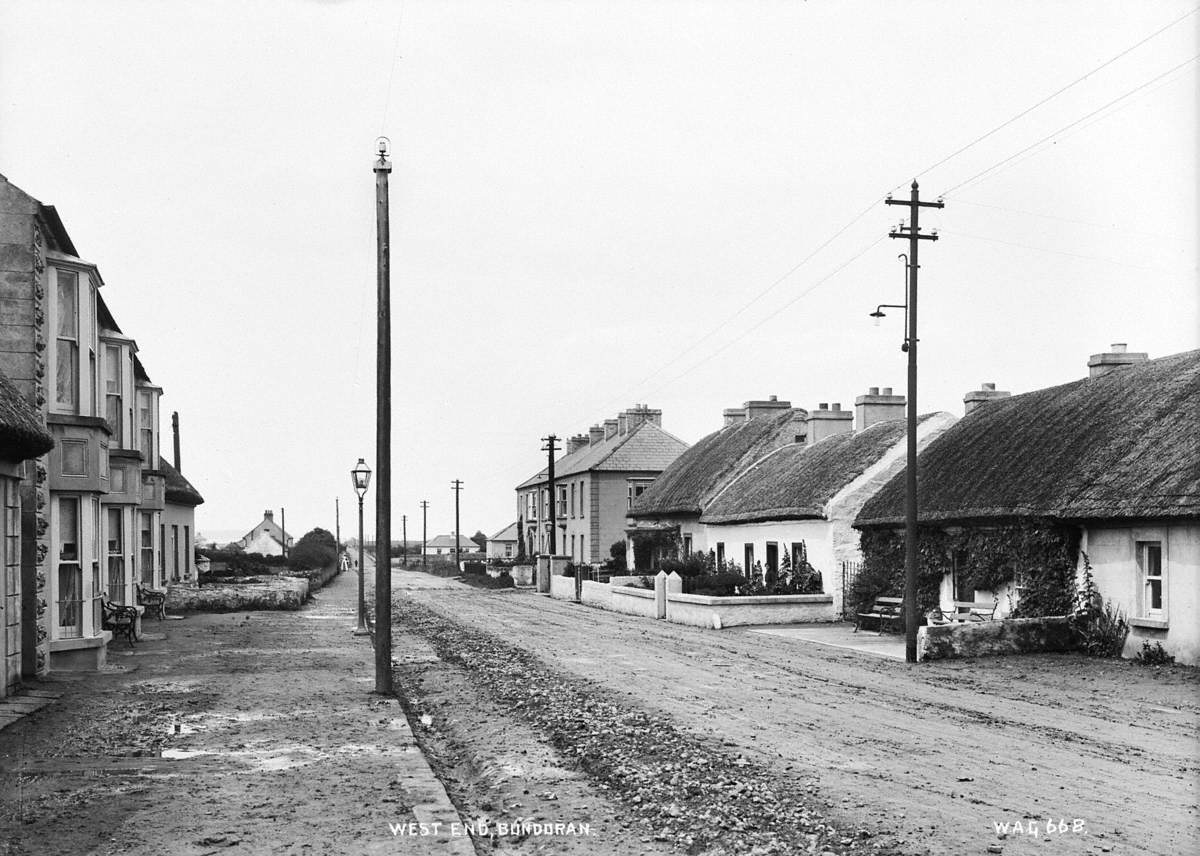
x,y
717,612
632,601
991,638
279,593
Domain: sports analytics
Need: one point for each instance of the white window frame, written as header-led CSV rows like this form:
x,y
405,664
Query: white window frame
x,y
1144,548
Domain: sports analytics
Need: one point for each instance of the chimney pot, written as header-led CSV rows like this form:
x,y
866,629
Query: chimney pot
x,y
824,422
874,390
837,405
1118,357
269,515
1120,347
989,386
824,405
976,397
773,398
887,390
876,407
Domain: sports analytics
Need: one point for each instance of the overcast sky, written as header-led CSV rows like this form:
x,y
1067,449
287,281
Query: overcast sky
x,y
586,198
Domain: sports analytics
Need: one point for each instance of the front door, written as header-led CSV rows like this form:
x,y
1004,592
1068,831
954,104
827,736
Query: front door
x,y
10,589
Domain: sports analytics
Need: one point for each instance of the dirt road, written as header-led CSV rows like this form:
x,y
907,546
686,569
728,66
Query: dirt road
x,y
926,759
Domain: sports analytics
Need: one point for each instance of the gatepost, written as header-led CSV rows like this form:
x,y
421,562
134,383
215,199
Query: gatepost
x,y
674,586
543,574
660,594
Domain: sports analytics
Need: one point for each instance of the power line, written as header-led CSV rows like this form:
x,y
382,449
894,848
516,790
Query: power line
x,y
387,101
1057,93
773,315
1068,126
1055,252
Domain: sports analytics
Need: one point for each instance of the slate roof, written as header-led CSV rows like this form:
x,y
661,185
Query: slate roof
x,y
464,542
270,526
797,481
22,434
1121,446
179,489
647,448
508,533
690,482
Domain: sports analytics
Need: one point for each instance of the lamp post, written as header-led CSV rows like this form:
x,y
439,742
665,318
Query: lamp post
x,y
360,476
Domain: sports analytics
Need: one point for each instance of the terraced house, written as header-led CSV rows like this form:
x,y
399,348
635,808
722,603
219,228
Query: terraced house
x,y
93,506
1107,466
601,475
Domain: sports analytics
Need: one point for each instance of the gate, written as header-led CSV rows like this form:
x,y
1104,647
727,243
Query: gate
x,y
849,575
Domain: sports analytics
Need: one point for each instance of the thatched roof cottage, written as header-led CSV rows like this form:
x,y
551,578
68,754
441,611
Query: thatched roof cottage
x,y
1112,461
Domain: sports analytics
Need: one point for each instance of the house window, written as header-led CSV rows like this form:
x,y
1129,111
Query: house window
x,y
720,555
74,457
562,502
162,551
572,548
116,555
70,569
572,499
687,545
175,554
112,391
581,501
117,479
582,554
187,552
66,353
508,551
772,569
146,559
1150,564
146,426
748,554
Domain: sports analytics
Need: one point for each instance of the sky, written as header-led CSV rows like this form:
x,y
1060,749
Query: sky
x,y
595,205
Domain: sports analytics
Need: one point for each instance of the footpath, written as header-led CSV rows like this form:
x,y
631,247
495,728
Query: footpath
x,y
232,733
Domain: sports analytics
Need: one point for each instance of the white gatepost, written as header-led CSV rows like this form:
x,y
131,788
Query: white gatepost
x,y
543,574
660,594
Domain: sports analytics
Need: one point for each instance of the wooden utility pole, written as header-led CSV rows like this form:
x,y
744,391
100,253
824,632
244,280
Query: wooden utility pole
x,y
550,448
913,233
424,532
283,528
337,531
404,540
457,487
383,429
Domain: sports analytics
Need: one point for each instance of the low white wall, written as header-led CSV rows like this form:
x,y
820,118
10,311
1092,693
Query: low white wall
x,y
717,612
562,587
632,601
597,594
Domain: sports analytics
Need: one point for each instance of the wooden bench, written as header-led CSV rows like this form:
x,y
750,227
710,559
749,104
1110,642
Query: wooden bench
x,y
883,610
120,619
966,610
155,601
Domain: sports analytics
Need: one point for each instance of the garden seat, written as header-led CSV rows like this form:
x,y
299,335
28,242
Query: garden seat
x,y
154,600
120,619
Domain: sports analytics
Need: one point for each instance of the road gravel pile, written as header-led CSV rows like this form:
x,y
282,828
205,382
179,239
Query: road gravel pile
x,y
701,797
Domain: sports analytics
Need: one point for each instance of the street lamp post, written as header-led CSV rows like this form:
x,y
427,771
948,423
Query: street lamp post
x,y
360,476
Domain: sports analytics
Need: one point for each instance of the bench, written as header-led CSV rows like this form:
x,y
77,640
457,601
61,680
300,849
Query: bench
x,y
120,619
155,601
966,610
883,610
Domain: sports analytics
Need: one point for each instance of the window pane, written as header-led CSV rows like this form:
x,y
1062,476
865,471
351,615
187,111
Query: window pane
x,y
1154,559
1156,594
74,457
68,529
68,308
66,373
114,530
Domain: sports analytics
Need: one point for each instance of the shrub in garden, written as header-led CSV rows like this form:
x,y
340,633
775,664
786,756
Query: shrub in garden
x,y
317,549
1101,626
1153,656
617,562
716,585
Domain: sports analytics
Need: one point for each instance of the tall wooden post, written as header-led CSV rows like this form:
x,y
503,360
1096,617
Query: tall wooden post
x,y
383,432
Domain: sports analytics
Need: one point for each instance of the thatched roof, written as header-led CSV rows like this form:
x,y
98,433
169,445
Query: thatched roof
x,y
797,481
179,490
698,474
645,449
22,434
1121,446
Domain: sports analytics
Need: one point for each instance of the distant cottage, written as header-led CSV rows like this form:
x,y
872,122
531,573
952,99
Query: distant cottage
x,y
266,538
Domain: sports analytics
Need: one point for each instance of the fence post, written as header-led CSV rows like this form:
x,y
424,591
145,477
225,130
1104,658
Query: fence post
x,y
660,594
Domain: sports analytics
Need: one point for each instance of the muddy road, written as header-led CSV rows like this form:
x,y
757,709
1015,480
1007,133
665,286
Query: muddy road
x,y
926,759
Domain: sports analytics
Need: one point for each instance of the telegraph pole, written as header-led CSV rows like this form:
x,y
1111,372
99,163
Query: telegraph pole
x,y
424,531
404,542
550,448
456,485
913,233
337,528
283,526
383,428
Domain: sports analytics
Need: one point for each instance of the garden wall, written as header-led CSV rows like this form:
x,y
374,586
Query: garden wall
x,y
276,593
632,601
717,612
991,638
562,587
596,594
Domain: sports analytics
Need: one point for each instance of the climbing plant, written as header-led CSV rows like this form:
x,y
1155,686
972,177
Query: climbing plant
x,y
1040,557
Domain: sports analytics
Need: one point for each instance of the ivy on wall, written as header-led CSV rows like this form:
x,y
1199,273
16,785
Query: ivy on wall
x,y
1039,556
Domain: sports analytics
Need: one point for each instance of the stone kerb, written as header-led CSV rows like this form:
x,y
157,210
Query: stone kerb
x,y
992,638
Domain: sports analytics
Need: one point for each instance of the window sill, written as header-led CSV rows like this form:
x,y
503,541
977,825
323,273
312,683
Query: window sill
x,y
1149,623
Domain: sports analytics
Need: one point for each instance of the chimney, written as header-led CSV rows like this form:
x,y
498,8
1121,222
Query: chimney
x,y
771,407
976,397
640,413
826,421
877,406
622,423
611,427
595,435
268,514
175,431
734,415
1120,355
574,444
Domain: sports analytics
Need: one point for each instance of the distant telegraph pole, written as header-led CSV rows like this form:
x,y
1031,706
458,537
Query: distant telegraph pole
x,y
404,541
283,527
913,233
424,531
383,427
457,486
550,448
337,528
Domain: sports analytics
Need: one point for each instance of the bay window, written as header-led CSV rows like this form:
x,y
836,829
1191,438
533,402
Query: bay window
x,y
66,350
70,569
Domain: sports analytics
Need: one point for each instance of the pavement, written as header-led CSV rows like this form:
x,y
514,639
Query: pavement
x,y
253,732
838,635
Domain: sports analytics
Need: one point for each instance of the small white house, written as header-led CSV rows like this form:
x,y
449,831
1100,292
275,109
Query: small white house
x,y
503,545
266,538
